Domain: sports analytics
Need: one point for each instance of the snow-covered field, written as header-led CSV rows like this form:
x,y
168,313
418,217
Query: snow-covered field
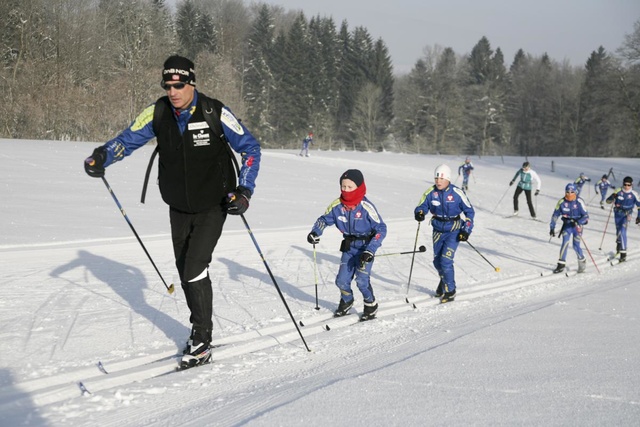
x,y
514,348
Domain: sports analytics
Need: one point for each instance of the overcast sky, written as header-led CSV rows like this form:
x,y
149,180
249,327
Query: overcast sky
x,y
569,29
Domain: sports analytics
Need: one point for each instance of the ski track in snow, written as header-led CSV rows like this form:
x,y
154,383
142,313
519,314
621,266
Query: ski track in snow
x,y
93,296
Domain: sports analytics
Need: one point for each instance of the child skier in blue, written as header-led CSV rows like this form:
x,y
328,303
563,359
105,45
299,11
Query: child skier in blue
x,y
446,202
465,170
624,199
305,144
602,186
580,181
363,231
573,212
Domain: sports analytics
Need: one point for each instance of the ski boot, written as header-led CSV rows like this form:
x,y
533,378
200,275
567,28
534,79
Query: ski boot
x,y
582,265
343,308
448,297
623,256
198,353
370,311
559,268
439,291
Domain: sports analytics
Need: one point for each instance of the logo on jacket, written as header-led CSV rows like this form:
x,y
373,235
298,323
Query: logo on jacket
x,y
358,215
450,198
201,139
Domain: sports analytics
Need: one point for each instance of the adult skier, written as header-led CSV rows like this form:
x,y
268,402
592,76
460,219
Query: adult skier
x,y
196,179
525,176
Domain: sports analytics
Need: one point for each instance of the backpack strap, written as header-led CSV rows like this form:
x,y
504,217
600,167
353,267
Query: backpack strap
x,y
158,110
212,111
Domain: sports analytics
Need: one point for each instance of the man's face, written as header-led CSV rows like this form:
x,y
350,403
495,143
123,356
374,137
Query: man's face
x,y
180,94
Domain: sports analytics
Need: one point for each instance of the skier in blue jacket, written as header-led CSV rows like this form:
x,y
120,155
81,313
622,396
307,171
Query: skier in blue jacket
x,y
305,144
624,200
465,170
580,181
601,188
196,179
452,223
363,231
572,211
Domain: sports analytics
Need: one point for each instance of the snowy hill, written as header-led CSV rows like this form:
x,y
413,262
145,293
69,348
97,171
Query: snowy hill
x,y
515,348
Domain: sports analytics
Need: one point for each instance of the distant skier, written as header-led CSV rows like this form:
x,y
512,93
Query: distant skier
x,y
624,199
363,231
526,175
465,170
446,203
305,144
580,181
602,186
572,210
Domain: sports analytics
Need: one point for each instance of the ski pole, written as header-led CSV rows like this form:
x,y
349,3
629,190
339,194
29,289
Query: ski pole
x,y
171,288
413,257
420,249
589,252
497,269
605,227
255,243
315,274
505,193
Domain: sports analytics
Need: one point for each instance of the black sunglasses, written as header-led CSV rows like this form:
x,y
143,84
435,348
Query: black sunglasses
x,y
177,86
627,184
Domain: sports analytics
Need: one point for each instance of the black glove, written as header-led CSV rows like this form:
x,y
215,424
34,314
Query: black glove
x,y
463,236
552,233
313,238
366,257
537,192
597,192
238,201
638,220
511,183
419,216
94,165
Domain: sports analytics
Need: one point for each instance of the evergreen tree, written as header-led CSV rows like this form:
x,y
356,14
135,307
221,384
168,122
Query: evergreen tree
x,y
383,79
597,105
258,78
187,17
296,81
348,73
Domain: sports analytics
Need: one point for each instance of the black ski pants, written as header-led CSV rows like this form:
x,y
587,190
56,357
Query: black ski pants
x,y
194,237
527,193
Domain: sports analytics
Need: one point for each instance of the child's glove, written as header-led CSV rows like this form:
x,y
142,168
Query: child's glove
x,y
313,238
366,257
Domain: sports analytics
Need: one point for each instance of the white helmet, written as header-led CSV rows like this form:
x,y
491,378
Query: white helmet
x,y
443,171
